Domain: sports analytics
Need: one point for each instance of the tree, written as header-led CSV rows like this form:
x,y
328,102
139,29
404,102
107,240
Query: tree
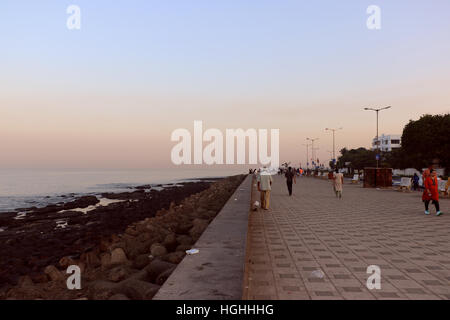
x,y
395,159
331,164
425,141
358,158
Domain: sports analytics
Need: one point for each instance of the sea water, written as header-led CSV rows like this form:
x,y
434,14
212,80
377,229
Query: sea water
x,y
23,188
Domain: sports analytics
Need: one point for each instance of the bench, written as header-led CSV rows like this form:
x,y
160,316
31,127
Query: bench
x,y
405,184
441,187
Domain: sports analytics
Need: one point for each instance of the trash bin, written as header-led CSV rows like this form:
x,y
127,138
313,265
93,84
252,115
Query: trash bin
x,y
377,177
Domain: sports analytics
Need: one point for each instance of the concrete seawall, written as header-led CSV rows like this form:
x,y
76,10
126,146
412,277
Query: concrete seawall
x,y
217,271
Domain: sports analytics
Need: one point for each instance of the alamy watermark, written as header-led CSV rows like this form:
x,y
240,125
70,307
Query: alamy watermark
x,y
374,20
74,280
74,20
374,280
213,153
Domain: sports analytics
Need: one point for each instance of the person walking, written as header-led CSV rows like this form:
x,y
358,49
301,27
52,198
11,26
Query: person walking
x,y
338,183
431,191
415,182
264,187
290,177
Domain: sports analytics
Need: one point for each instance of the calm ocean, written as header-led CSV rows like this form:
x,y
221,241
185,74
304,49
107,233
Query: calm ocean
x,y
21,188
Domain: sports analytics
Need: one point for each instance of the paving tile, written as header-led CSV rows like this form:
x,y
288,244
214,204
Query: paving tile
x,y
312,231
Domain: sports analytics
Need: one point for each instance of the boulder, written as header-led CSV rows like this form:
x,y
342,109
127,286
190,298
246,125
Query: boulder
x,y
65,262
117,244
141,275
141,261
183,248
118,256
92,260
137,248
39,278
118,274
82,202
82,266
162,277
101,290
174,257
170,242
104,245
105,260
184,239
158,250
115,238
119,296
132,289
184,225
53,273
137,290
131,231
199,225
25,281
144,236
156,267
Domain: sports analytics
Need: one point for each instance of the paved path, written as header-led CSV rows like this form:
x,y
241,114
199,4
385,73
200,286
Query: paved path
x,y
312,230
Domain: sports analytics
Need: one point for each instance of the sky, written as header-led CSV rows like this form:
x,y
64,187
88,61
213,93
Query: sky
x,y
110,94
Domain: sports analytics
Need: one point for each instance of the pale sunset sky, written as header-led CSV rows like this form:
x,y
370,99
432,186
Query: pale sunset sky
x,y
109,95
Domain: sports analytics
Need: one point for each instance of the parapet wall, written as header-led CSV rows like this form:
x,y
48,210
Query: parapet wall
x,y
217,271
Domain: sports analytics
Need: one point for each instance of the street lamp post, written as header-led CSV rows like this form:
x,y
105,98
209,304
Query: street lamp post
x,y
331,156
334,144
377,142
307,155
315,155
312,145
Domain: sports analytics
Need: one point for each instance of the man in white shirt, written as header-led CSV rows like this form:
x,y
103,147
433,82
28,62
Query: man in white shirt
x,y
264,186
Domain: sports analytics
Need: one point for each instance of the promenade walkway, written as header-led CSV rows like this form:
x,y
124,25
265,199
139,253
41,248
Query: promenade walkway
x,y
314,246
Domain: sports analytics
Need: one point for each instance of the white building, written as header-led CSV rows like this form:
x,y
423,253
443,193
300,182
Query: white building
x,y
387,143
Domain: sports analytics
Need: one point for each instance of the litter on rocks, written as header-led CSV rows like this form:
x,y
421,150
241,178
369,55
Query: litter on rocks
x,y
192,251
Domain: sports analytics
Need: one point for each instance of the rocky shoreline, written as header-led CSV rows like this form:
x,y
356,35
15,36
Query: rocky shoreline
x,y
125,250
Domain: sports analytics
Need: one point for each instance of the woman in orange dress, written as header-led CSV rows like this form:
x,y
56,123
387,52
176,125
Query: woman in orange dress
x,y
431,191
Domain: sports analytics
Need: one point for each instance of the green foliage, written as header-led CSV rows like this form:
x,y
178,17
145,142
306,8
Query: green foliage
x,y
425,140
358,158
396,159
331,165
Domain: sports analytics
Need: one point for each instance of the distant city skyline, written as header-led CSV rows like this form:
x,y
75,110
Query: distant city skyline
x,y
110,94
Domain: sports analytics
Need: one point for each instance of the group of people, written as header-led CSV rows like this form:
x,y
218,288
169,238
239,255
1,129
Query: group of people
x,y
264,182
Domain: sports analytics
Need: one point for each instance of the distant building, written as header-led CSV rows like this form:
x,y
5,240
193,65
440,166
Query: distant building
x,y
387,143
